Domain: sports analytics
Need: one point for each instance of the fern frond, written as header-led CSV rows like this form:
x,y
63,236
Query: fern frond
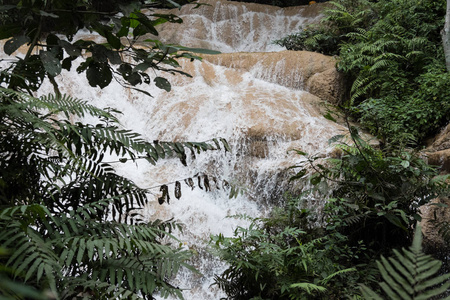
x,y
338,273
56,104
33,257
411,274
310,288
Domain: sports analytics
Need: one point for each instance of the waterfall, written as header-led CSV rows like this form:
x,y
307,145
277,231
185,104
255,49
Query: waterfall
x,y
259,102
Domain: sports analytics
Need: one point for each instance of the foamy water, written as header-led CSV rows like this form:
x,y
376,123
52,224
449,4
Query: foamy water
x,y
260,116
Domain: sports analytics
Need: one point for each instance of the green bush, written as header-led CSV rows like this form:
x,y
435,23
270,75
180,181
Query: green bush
x,y
278,258
340,19
416,116
312,38
372,206
375,193
391,52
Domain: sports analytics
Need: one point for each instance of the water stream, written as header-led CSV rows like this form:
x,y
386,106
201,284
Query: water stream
x,y
254,100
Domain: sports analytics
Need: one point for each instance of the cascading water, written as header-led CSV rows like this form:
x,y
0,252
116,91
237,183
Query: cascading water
x,y
255,101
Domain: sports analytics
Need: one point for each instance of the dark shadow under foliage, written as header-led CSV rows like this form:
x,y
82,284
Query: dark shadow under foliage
x,y
281,3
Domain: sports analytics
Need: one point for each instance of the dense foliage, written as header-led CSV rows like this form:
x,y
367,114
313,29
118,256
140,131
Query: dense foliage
x,y
69,223
284,257
70,226
410,275
282,3
124,32
371,199
392,54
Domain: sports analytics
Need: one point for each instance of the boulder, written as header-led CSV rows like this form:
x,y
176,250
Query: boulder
x,y
301,70
438,152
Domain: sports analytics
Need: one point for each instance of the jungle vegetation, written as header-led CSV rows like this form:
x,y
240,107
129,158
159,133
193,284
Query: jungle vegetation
x,y
364,243
392,53
71,228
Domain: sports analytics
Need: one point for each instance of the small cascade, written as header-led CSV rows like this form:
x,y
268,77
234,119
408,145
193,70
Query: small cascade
x,y
259,102
230,26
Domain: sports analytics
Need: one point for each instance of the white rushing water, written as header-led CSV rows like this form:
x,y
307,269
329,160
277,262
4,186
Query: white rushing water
x,y
259,117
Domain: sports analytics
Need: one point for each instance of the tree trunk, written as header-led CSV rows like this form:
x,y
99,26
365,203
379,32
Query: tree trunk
x,y
446,37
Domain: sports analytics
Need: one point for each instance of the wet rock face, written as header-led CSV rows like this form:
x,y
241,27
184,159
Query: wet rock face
x,y
231,26
432,214
301,70
438,152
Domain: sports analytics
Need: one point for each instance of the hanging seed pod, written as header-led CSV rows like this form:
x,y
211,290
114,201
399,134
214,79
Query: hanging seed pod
x,y
199,180
216,183
177,190
165,194
225,184
206,183
190,183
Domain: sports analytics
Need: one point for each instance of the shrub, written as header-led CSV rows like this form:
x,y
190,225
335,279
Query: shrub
x,y
340,19
392,54
275,258
375,193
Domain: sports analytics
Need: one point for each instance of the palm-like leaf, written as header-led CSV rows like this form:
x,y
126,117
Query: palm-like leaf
x,y
69,221
410,274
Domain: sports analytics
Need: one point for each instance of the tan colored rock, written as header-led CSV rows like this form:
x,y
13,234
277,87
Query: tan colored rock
x,y
235,26
442,140
441,159
432,214
438,153
313,72
327,85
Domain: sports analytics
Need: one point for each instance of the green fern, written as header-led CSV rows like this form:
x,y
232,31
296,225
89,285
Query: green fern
x,y
70,224
410,274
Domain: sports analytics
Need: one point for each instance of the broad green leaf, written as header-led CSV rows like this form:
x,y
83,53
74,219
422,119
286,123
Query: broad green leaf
x,y
114,57
15,43
113,40
6,7
199,50
170,17
328,116
163,83
51,64
299,152
134,78
142,91
70,49
142,67
335,138
143,19
47,14
99,74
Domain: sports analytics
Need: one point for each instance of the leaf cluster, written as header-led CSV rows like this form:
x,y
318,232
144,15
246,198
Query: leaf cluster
x,y
49,28
275,258
375,193
391,53
341,18
410,274
69,223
